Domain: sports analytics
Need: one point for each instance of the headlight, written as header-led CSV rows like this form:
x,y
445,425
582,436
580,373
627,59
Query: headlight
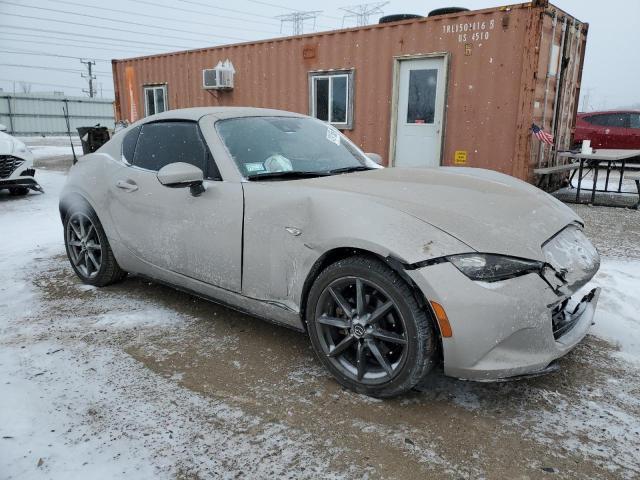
x,y
492,268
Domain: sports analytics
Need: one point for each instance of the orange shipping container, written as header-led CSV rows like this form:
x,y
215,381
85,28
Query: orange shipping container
x,y
457,89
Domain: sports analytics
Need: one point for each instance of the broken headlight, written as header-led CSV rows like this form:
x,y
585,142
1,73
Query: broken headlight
x,y
492,268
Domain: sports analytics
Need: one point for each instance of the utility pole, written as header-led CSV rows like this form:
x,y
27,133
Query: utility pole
x,y
362,12
297,20
89,76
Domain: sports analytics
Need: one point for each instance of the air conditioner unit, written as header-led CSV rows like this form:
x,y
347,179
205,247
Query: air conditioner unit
x,y
220,77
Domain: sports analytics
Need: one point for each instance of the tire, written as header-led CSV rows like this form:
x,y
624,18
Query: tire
x,y
388,318
18,191
88,249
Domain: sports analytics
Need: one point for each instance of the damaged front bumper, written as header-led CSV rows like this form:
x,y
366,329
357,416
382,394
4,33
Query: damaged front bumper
x,y
508,329
25,179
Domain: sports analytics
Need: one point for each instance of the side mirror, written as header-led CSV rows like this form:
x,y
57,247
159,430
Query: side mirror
x,y
3,128
180,174
374,157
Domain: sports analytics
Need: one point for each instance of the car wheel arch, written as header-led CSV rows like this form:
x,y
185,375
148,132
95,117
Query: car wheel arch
x,y
340,253
71,199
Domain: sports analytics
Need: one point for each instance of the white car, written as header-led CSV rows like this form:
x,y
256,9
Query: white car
x,y
16,165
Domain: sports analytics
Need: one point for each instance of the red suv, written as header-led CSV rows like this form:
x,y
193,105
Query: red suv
x,y
612,129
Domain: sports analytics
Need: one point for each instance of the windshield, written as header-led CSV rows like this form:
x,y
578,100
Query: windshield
x,y
288,145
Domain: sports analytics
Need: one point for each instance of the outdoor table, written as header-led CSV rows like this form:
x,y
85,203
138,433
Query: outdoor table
x,y
601,155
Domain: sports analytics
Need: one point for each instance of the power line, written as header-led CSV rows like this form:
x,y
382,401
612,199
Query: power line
x,y
93,36
23,40
227,9
200,12
66,70
190,22
260,2
45,54
84,42
138,24
48,84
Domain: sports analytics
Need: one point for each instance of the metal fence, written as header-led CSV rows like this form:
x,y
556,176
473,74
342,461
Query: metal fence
x,y
41,114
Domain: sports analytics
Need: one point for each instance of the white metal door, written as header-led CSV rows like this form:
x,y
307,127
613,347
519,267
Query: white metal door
x,y
420,107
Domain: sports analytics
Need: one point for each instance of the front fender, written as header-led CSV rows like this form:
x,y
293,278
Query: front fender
x,y
288,229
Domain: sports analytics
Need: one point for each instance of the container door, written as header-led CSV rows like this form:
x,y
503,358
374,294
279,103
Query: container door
x,y
420,105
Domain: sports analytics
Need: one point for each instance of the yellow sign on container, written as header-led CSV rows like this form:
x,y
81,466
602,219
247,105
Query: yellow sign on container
x,y
460,157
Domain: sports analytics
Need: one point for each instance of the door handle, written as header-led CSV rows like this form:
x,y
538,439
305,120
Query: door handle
x,y
127,185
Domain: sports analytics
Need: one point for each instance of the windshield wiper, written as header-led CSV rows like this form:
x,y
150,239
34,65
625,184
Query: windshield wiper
x,y
288,174
358,168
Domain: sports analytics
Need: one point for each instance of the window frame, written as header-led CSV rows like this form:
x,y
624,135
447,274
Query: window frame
x,y
154,87
609,115
211,172
329,74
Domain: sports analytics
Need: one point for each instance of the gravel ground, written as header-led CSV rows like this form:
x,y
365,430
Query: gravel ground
x,y
141,381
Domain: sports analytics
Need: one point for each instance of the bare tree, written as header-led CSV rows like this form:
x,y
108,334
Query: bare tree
x,y
25,87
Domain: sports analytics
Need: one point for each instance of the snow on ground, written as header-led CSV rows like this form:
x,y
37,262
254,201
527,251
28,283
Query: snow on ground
x,y
78,401
52,146
49,386
618,314
53,151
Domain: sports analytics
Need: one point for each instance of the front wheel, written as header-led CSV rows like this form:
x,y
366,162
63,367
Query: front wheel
x,y
368,329
18,191
88,249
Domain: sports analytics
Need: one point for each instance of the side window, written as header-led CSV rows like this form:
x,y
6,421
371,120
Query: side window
x,y
155,99
162,143
331,97
129,144
609,120
634,120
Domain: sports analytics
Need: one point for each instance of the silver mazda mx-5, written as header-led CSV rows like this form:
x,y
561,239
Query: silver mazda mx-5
x,y
388,270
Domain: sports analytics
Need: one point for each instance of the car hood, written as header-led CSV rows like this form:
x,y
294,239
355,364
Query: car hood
x,y
489,211
11,146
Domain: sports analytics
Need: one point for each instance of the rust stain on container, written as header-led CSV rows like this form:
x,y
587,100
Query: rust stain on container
x,y
508,67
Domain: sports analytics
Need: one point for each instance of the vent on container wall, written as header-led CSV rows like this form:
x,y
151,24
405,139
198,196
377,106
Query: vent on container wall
x,y
220,77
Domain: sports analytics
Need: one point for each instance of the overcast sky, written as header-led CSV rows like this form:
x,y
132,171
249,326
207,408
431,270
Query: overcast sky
x,y
124,28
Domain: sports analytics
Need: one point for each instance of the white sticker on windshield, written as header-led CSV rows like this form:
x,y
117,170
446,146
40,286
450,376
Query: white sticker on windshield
x,y
333,135
254,167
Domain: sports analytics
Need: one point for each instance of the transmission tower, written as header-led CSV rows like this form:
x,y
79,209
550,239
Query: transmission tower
x,y
89,76
297,20
362,12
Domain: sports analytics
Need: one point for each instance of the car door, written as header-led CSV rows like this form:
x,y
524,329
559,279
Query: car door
x,y
199,237
619,134
634,127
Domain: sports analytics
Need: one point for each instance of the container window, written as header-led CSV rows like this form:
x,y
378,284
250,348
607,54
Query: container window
x,y
331,97
155,99
421,101
322,98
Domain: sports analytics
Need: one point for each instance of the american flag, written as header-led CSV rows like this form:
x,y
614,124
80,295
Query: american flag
x,y
541,135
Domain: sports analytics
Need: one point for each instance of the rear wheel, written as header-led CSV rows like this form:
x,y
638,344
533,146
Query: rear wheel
x,y
368,329
88,249
18,191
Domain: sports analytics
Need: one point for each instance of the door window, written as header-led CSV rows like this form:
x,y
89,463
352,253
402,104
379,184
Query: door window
x,y
129,144
162,143
155,99
634,120
618,120
421,98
